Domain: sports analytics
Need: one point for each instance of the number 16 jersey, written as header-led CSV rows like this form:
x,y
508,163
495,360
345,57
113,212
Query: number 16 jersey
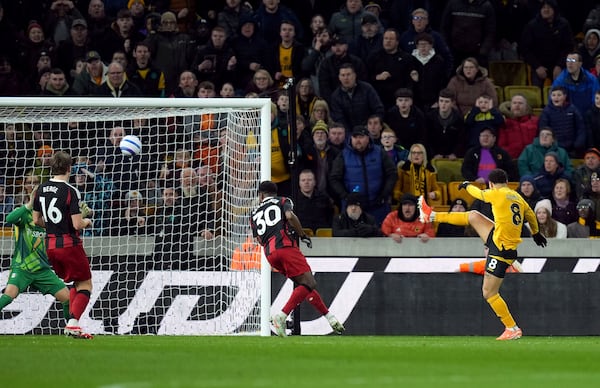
x,y
57,200
270,226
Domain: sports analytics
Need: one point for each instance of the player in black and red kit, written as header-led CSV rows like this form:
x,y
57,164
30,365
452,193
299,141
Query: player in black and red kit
x,y
56,207
275,226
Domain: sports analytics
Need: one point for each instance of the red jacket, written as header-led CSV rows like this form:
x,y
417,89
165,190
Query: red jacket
x,y
393,224
517,133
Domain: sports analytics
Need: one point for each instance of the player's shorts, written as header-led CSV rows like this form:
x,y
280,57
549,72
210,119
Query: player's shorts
x,y
44,280
289,261
70,264
498,260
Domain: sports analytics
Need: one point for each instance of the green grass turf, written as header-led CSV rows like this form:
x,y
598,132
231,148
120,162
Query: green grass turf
x,y
341,361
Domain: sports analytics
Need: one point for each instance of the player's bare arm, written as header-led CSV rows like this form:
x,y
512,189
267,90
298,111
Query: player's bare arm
x,y
295,222
79,222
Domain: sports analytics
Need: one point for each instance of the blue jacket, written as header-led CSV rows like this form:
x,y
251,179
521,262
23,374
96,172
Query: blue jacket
x,y
567,124
581,93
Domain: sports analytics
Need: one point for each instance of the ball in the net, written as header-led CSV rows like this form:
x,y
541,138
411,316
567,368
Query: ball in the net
x,y
130,145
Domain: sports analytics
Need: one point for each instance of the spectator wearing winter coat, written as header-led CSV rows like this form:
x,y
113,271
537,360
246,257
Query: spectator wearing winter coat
x,y
550,172
347,22
485,157
520,126
581,85
591,118
531,159
470,82
269,16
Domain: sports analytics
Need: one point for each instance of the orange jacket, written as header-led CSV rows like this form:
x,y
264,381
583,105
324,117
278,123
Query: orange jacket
x,y
393,224
247,256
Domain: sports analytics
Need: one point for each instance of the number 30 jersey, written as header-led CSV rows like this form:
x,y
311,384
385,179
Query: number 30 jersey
x,y
57,200
270,226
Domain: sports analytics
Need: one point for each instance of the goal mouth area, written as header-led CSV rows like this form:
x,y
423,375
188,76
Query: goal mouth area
x,y
218,141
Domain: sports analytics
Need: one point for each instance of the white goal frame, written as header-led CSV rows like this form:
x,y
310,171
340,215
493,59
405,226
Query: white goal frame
x,y
263,104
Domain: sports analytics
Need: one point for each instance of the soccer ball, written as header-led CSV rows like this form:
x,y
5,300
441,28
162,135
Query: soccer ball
x,y
130,145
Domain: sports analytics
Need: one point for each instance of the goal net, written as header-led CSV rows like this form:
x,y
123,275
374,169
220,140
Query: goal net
x,y
170,247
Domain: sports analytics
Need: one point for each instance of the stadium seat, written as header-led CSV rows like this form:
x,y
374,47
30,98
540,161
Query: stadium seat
x,y
442,208
546,94
454,192
532,93
499,93
513,185
6,232
309,232
576,163
444,200
448,170
537,111
505,73
324,232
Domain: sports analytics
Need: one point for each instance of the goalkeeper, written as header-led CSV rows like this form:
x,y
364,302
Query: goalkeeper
x,y
275,227
502,237
29,265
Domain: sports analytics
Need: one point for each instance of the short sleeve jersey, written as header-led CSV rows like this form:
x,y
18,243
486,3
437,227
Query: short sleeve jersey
x,y
510,213
270,226
57,200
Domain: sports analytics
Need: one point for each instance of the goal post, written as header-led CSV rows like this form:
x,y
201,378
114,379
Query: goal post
x,y
170,249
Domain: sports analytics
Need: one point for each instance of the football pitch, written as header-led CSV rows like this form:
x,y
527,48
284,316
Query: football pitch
x,y
340,361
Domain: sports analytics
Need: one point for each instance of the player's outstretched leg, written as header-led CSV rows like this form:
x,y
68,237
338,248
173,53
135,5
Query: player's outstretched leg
x,y
426,213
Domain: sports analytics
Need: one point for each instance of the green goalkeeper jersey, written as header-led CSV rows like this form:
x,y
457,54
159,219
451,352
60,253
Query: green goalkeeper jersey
x,y
30,248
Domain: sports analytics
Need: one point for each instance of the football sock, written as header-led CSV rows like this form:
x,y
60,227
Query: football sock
x,y
501,309
314,298
79,303
66,312
298,295
477,267
5,300
454,218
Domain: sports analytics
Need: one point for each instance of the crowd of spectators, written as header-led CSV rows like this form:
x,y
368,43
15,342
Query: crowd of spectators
x,y
382,88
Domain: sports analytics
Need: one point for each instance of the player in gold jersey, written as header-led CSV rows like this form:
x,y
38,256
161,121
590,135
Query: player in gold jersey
x,y
501,236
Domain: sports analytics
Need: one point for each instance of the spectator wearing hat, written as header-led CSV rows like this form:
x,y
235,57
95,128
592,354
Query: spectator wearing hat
x,y
566,121
354,222
354,101
420,24
520,126
549,173
390,68
370,39
318,156
59,20
407,121
418,178
528,190
546,41
30,48
138,14
366,169
586,225
448,230
582,176
328,72
347,21
313,207
250,49
92,76
405,222
549,227
589,48
531,159
480,160
78,44
172,51
429,78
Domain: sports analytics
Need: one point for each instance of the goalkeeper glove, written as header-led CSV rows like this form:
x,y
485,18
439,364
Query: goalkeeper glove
x,y
540,240
464,185
85,210
305,239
